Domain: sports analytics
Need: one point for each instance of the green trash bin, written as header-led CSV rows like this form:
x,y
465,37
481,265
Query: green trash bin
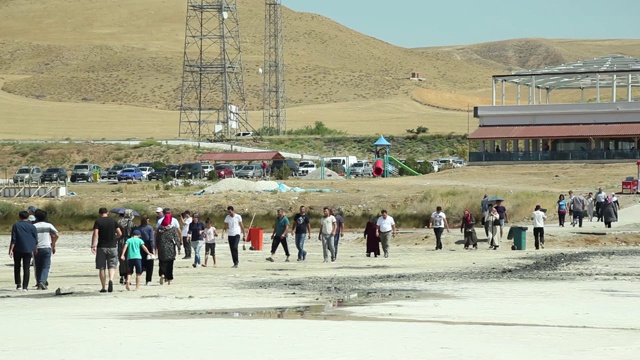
x,y
519,237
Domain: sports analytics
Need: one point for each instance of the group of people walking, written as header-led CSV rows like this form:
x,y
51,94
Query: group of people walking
x,y
33,242
601,206
132,248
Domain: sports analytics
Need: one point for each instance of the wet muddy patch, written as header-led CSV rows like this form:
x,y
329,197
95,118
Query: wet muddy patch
x,y
336,308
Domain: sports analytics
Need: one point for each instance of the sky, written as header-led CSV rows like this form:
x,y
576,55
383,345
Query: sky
x,y
418,23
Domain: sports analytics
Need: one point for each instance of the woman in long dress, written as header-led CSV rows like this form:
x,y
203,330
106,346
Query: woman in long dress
x,y
166,243
470,238
609,212
126,226
590,205
373,240
493,221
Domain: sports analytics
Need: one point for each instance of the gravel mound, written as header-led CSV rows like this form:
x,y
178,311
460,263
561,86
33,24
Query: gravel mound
x,y
235,184
328,175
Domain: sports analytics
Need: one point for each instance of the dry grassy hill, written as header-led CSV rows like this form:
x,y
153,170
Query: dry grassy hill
x,y
130,52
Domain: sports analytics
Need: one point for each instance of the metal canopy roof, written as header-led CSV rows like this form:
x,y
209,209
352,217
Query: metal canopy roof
x,y
573,131
598,72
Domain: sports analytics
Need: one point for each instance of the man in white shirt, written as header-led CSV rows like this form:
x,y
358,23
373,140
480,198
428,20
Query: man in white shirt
x,y
234,227
47,237
386,228
538,226
327,233
186,220
438,222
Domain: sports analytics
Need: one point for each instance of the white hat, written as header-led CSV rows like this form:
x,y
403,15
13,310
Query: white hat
x,y
159,209
613,193
31,218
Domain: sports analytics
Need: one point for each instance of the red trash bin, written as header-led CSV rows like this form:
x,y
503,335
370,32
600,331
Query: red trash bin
x,y
255,236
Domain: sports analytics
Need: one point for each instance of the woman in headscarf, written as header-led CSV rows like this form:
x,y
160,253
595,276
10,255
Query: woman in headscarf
x,y
373,240
166,242
466,227
609,212
493,221
126,226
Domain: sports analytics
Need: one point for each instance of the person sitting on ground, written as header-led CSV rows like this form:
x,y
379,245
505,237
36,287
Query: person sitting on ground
x,y
131,254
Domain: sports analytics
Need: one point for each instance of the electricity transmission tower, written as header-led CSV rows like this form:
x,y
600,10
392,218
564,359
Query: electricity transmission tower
x,y
274,111
212,102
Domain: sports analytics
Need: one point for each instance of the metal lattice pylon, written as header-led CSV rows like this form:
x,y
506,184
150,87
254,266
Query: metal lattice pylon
x,y
213,102
274,110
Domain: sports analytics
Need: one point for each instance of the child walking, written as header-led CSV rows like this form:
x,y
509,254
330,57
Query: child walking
x,y
210,235
134,257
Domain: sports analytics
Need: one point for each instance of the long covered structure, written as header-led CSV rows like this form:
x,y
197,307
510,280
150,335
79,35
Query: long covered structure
x,y
606,128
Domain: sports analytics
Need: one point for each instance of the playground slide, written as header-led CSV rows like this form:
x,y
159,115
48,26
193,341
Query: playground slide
x,y
410,170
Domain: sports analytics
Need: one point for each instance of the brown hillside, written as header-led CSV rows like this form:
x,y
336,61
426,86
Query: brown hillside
x,y
538,53
133,55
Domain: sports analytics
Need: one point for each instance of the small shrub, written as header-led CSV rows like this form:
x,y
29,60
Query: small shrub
x,y
213,175
281,173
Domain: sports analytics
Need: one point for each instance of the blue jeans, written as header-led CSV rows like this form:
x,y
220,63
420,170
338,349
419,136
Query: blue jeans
x,y
300,245
43,264
336,239
197,246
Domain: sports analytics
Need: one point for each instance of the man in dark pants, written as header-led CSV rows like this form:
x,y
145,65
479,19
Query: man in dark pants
x,y
24,238
234,227
302,230
339,231
279,235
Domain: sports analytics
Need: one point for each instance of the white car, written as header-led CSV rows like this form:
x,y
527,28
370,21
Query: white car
x,y
146,170
206,169
304,169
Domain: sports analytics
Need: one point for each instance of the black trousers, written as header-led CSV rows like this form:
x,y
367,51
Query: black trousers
x,y
233,246
147,267
538,235
186,243
599,210
166,269
277,241
22,260
438,231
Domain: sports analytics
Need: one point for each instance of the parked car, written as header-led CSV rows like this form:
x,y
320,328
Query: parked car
x,y
104,173
145,170
116,169
206,168
172,170
249,172
145,164
361,168
278,164
83,172
306,168
54,175
224,171
27,174
190,171
157,174
130,173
